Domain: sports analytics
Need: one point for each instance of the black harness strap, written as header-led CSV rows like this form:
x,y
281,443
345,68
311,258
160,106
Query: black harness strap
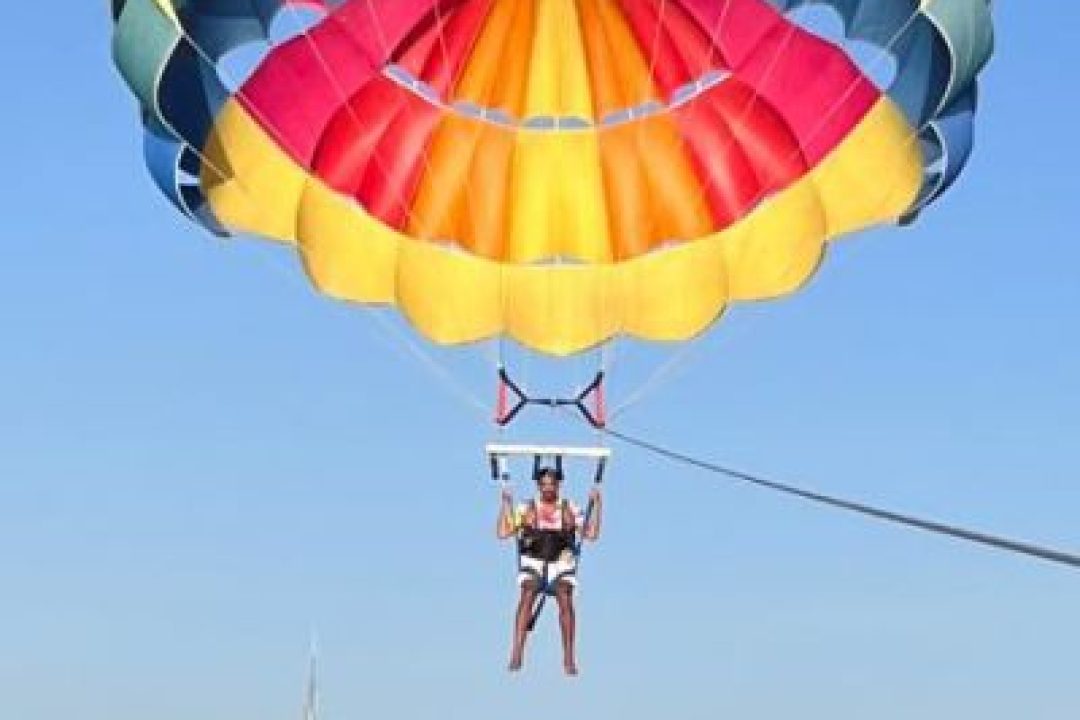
x,y
545,588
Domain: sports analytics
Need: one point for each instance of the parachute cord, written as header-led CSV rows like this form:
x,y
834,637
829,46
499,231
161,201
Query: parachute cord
x,y
996,542
346,101
493,353
664,372
659,377
434,368
416,351
394,338
390,332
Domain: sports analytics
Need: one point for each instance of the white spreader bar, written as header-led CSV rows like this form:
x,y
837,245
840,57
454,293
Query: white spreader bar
x,y
495,450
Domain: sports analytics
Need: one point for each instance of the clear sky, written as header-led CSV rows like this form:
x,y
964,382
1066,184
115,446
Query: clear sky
x,y
201,460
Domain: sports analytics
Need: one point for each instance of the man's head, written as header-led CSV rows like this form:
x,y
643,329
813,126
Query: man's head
x,y
549,482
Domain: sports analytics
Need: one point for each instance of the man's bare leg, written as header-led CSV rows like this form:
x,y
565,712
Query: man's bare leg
x,y
521,623
564,594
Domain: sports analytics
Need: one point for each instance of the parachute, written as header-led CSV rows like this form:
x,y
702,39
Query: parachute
x,y
560,172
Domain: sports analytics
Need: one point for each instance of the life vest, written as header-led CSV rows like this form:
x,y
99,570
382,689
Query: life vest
x,y
548,545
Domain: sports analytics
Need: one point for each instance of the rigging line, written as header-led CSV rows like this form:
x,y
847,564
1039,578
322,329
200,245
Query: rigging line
x,y
689,352
432,364
392,336
425,158
774,63
325,65
659,376
427,361
388,328
663,373
997,542
680,142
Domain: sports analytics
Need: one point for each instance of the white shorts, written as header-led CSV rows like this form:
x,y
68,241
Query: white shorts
x,y
554,569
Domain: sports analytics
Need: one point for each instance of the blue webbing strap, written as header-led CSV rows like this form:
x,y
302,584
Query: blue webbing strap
x,y
546,587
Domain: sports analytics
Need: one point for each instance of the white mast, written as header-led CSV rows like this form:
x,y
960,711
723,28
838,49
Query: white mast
x,y
311,692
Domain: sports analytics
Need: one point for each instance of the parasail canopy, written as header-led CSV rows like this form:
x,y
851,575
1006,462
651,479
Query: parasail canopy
x,y
558,171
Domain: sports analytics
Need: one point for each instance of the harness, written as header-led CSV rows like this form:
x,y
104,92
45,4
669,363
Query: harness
x,y
549,544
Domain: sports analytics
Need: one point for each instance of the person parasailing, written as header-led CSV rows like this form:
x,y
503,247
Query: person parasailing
x,y
549,530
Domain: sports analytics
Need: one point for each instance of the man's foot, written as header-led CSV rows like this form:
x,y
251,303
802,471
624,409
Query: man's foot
x,y
570,668
515,663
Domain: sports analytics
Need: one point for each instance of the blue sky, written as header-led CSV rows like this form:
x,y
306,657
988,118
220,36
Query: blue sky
x,y
201,460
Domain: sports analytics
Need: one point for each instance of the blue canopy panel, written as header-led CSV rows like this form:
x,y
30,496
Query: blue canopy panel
x,y
219,43
925,56
175,169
